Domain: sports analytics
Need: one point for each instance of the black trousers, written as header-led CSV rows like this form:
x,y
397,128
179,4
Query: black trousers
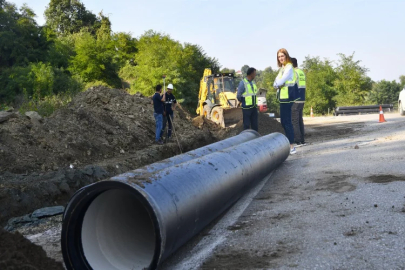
x,y
167,120
250,119
298,122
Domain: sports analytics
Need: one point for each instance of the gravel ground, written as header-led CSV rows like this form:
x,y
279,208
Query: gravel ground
x,y
337,204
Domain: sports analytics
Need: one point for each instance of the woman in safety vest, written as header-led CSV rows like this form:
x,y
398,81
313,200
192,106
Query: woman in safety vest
x,y
285,85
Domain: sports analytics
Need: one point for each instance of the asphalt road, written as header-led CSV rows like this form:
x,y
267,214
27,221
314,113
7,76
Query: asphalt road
x,y
339,203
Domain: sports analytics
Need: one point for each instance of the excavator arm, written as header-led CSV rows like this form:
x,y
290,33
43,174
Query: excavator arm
x,y
202,95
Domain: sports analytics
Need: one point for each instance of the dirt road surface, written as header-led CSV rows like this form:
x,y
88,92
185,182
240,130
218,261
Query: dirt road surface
x,y
337,204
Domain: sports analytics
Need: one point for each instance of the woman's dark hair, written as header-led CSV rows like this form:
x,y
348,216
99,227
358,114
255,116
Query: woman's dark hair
x,y
294,62
250,71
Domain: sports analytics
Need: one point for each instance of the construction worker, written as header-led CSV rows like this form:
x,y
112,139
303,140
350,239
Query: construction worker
x,y
285,83
298,107
247,91
170,106
158,101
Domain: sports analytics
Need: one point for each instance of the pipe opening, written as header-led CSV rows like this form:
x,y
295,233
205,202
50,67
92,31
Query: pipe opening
x,y
117,232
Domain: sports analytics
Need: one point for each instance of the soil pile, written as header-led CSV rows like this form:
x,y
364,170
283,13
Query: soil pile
x,y
267,125
98,124
101,133
16,252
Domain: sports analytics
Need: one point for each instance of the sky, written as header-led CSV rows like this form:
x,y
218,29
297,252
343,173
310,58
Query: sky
x,y
251,31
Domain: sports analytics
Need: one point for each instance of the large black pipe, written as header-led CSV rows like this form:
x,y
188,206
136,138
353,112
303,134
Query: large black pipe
x,y
136,223
359,111
244,136
384,106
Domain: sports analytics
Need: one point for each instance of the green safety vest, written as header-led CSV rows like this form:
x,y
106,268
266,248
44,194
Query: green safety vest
x,y
249,95
300,78
283,95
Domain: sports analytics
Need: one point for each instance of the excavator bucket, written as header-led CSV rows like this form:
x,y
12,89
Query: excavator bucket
x,y
233,116
226,117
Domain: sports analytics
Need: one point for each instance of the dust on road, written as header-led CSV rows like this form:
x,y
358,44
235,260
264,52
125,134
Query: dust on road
x,y
331,206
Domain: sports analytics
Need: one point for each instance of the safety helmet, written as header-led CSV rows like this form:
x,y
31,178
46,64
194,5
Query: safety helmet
x,y
170,86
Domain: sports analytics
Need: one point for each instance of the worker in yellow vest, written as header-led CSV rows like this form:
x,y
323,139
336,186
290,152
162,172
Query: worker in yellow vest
x,y
298,107
286,93
247,94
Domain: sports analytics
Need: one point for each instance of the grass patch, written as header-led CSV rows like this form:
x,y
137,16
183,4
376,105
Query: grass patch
x,y
46,106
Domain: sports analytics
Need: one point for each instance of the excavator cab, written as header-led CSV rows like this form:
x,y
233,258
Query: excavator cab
x,y
221,90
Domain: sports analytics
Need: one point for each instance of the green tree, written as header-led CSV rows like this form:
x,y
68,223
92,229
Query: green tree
x,y
21,39
352,83
267,77
42,78
60,51
320,89
244,70
191,65
125,46
384,92
95,58
227,70
402,81
70,16
13,81
157,56
22,42
104,31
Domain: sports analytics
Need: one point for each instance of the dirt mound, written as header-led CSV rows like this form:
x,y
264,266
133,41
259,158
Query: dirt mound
x,y
216,130
98,124
16,252
267,125
101,133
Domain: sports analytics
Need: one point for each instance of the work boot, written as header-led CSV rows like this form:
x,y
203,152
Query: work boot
x,y
160,142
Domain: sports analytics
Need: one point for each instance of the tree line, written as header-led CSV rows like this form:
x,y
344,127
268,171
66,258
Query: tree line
x,y
332,84
77,49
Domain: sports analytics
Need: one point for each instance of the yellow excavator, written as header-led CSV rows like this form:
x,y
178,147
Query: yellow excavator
x,y
217,98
